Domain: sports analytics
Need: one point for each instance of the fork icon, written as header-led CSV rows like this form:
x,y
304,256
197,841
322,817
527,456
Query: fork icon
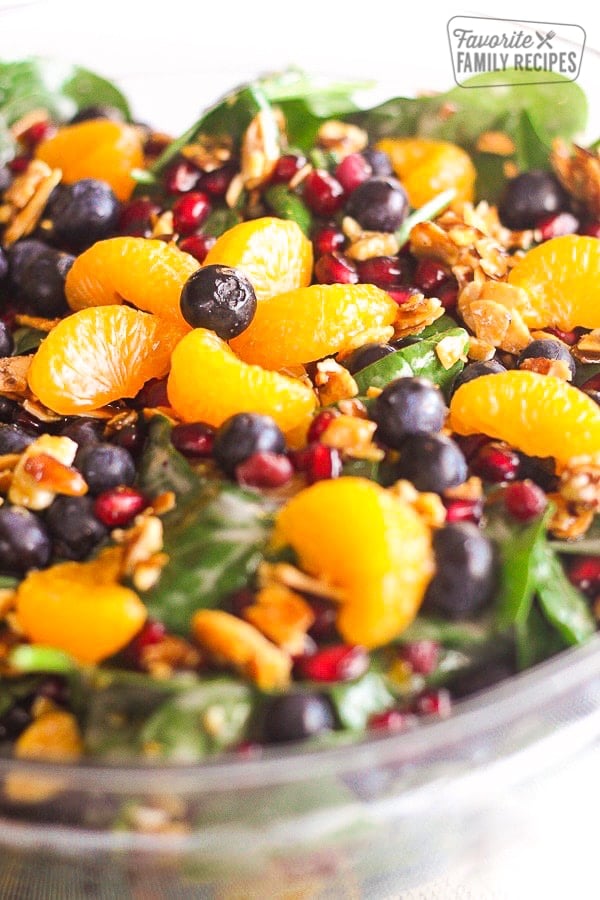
x,y
544,40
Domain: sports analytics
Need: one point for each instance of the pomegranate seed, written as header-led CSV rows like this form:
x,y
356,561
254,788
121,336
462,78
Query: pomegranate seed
x,y
286,167
19,164
181,177
239,602
342,662
429,275
584,574
390,720
155,145
323,628
136,217
328,240
264,470
323,193
524,500
448,294
567,337
216,182
383,271
193,438
248,750
190,211
433,703
198,245
422,656
333,268
119,506
463,510
131,437
496,462
37,133
402,295
321,423
318,462
352,171
152,632
557,225
592,229
592,384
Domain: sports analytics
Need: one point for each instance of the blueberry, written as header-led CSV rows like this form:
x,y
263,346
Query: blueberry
x,y
82,213
244,434
38,273
378,204
295,717
9,409
219,298
433,462
14,439
105,466
365,355
480,677
548,349
7,344
466,571
15,720
476,370
24,540
20,255
530,197
74,528
379,161
3,265
407,406
97,111
83,430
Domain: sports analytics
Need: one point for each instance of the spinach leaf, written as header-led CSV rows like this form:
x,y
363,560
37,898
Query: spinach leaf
x,y
162,467
14,689
355,701
221,220
8,581
457,635
36,658
538,640
27,339
562,605
288,205
518,576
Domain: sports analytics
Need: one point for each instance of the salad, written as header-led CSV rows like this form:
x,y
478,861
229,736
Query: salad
x,y
299,423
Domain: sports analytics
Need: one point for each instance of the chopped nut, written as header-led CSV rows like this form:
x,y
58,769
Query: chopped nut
x,y
353,407
294,578
28,195
44,470
580,483
164,503
334,382
351,228
342,138
428,505
40,411
578,170
22,125
282,615
235,190
146,573
471,489
450,350
300,176
416,314
260,151
373,392
497,142
8,599
568,521
13,375
543,366
37,322
171,654
139,543
494,311
354,436
587,349
162,225
373,243
480,351
208,153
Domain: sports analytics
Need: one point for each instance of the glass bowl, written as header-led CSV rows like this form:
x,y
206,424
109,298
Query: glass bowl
x,y
500,800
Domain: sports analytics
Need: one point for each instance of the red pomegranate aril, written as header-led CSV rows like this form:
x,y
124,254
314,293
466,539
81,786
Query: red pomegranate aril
x,y
392,720
433,703
584,574
181,177
286,167
239,602
352,171
463,510
470,444
119,506
216,182
264,470
429,275
37,132
567,337
422,656
592,229
153,394
155,145
341,662
323,193
249,750
323,628
592,384
401,295
321,423
18,164
383,271
524,500
135,218
495,462
197,245
190,211
448,294
328,240
152,632
333,268
193,438
557,225
318,462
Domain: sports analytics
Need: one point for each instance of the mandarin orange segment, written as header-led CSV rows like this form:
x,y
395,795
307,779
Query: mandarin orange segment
x,y
538,414
79,607
309,323
209,383
95,149
562,278
372,547
99,355
274,254
427,167
148,274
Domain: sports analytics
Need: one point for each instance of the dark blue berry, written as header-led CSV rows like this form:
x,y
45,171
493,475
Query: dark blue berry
x,y
480,677
529,197
220,298
14,439
82,213
378,204
379,161
7,344
83,430
38,272
365,355
15,720
433,462
3,265
74,528
24,540
97,111
9,409
476,370
466,571
131,436
244,434
408,406
548,349
295,717
105,466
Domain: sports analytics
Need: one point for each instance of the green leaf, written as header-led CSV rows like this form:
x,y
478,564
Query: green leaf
x,y
27,339
538,640
425,213
354,702
518,577
562,605
288,205
457,635
162,467
203,720
220,220
8,581
35,658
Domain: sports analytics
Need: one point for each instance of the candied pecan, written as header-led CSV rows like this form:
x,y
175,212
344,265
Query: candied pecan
x,y
578,170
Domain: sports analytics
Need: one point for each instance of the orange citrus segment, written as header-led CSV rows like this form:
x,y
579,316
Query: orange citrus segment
x,y
372,547
95,149
148,274
274,254
426,168
538,414
209,383
562,278
312,322
99,355
80,608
